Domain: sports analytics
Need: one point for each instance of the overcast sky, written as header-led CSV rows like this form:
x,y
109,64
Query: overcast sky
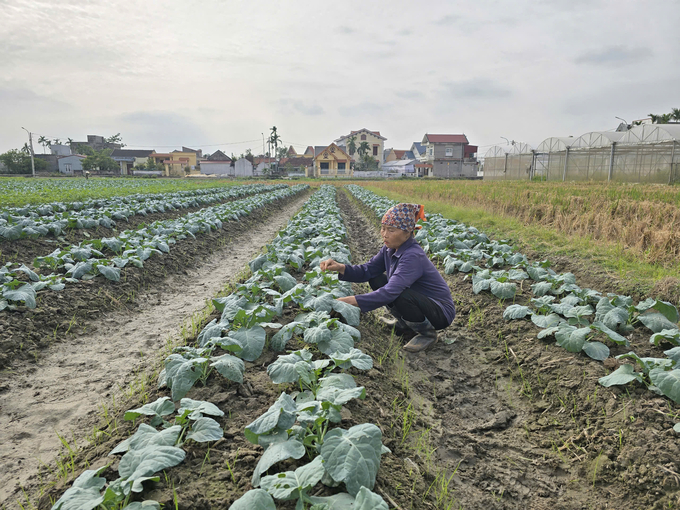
x,y
215,74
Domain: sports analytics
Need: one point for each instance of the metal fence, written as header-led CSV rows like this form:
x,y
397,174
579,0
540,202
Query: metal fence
x,y
648,153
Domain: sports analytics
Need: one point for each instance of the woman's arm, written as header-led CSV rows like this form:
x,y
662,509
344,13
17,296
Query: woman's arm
x,y
364,272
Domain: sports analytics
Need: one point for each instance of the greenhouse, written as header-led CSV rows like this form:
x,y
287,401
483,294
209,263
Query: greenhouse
x,y
513,162
645,153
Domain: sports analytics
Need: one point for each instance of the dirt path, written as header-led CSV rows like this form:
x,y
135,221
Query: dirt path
x,y
64,391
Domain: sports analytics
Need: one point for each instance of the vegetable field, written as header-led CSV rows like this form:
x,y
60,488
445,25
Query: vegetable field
x,y
181,348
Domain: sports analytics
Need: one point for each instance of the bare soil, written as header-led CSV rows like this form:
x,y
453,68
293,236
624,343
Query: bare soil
x,y
490,418
74,377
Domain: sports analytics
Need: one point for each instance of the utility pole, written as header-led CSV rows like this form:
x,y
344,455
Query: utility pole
x,y
30,146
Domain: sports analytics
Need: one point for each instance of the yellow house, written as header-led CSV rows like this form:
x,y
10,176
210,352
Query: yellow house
x,y
175,162
375,141
332,162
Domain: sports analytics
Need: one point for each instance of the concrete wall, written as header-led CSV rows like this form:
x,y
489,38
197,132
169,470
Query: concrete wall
x,y
243,168
216,168
75,162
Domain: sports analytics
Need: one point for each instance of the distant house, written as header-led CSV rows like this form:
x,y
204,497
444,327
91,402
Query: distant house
x,y
243,168
175,162
95,142
400,168
394,155
60,150
218,163
333,161
70,164
419,151
299,164
309,152
375,140
129,158
198,152
447,155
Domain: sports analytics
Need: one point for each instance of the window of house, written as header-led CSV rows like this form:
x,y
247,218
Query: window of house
x,y
323,167
341,166
430,151
68,168
363,137
375,150
449,152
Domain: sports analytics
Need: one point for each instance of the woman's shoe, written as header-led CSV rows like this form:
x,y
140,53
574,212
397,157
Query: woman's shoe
x,y
426,337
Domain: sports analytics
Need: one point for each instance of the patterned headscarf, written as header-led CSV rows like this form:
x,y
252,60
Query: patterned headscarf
x,y
404,216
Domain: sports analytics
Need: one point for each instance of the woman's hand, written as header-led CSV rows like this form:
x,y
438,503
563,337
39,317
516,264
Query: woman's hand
x,y
332,265
350,300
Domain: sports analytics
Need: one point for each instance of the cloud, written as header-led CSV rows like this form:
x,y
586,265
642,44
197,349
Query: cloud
x,y
363,108
409,94
163,128
476,88
18,97
614,56
305,108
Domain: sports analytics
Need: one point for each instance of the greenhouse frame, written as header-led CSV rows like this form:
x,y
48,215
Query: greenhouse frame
x,y
647,153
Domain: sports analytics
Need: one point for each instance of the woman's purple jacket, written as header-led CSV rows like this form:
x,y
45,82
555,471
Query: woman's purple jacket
x,y
407,267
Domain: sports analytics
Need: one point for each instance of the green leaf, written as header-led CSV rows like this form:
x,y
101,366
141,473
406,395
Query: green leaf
x,y
367,500
137,464
516,312
546,321
257,262
622,375
340,341
676,428
255,499
285,282
317,334
161,407
541,288
199,408
321,303
579,311
656,322
349,312
204,430
283,369
671,336
230,367
665,308
291,449
144,505
182,373
252,339
673,354
571,338
667,381
281,415
283,485
353,358
110,273
341,501
613,335
353,456
281,338
25,294
503,290
596,350
147,435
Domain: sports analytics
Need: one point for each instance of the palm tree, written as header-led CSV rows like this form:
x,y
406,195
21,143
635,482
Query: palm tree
x,y
274,139
675,114
363,149
352,144
44,142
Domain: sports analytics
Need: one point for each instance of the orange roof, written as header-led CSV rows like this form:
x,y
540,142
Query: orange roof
x,y
399,153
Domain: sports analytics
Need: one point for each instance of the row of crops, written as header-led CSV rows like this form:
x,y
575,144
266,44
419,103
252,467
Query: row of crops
x,y
579,319
303,423
54,218
21,191
107,256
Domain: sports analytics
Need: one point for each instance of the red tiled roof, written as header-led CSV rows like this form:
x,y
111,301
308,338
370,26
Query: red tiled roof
x,y
446,138
423,165
399,153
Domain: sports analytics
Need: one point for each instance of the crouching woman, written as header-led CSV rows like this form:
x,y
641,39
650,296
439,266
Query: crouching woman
x,y
402,279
